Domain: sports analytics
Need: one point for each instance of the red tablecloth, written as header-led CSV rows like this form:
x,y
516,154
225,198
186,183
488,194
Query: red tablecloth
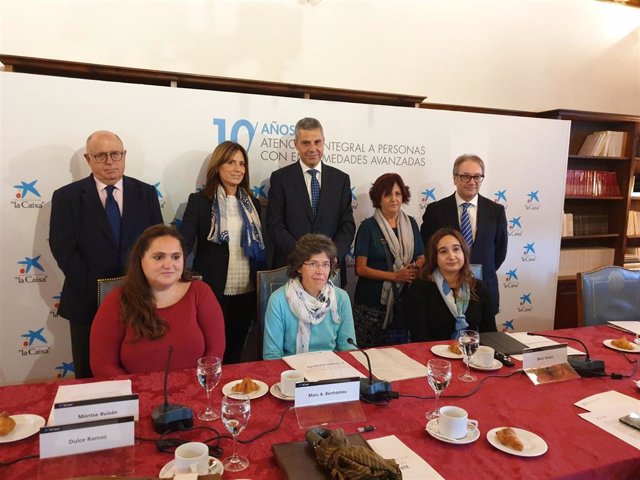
x,y
577,449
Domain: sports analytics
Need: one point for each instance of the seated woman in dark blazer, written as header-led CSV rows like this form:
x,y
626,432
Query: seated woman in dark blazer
x,y
446,297
157,307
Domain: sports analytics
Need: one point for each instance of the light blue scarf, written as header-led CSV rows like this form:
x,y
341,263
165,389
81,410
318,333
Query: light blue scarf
x,y
457,306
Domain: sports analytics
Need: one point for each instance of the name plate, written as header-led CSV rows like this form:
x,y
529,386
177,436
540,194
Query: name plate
x,y
544,356
76,438
95,409
326,392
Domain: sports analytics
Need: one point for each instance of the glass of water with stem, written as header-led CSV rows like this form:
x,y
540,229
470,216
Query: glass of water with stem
x,y
236,410
469,342
209,372
438,376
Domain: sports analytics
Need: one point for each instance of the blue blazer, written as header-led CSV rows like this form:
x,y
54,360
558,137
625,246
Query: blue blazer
x,y
490,245
83,244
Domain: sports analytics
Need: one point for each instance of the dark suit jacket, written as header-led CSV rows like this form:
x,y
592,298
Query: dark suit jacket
x,y
211,260
490,245
289,213
82,242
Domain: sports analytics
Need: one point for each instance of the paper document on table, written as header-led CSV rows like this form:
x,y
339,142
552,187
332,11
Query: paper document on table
x,y
608,420
316,366
535,341
628,326
391,365
610,400
413,467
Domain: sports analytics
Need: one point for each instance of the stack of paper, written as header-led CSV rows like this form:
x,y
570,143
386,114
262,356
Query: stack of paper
x,y
316,366
391,365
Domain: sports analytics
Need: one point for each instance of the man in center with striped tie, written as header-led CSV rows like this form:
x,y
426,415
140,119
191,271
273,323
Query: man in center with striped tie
x,y
309,196
483,222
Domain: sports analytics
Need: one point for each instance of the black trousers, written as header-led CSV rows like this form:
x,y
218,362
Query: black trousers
x,y
80,349
239,311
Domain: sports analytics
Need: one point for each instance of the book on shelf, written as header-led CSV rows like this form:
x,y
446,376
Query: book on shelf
x,y
567,224
574,260
632,255
604,144
591,183
633,223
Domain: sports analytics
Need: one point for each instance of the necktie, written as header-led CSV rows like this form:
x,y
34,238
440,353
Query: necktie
x,y
113,213
465,224
315,191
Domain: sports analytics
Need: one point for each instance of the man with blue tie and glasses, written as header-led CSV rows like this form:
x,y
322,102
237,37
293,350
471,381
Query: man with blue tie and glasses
x,y
94,222
482,222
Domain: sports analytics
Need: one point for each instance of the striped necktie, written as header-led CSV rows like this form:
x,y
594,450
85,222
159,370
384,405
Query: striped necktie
x,y
315,191
113,213
465,224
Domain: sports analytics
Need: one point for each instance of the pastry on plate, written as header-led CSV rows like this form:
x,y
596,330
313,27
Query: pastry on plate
x,y
622,343
454,347
245,386
7,424
508,437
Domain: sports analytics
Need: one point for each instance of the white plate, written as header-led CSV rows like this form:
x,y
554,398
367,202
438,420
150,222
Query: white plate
x,y
276,392
443,351
432,429
497,365
215,466
636,348
26,425
262,390
533,444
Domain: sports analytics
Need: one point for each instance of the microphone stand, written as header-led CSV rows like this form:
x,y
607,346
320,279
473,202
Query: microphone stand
x,y
585,366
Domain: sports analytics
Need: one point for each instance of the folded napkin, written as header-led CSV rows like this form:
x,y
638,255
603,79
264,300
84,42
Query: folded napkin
x,y
348,462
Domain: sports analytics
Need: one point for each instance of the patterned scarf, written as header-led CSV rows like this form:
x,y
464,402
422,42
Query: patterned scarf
x,y
251,236
310,310
457,306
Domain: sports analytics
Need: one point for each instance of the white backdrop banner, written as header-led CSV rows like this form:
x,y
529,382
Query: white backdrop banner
x,y
169,134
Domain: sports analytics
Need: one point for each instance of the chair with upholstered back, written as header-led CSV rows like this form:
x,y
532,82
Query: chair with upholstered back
x,y
608,294
476,269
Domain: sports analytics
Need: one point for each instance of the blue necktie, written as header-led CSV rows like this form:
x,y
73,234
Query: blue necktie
x,y
113,213
315,191
465,224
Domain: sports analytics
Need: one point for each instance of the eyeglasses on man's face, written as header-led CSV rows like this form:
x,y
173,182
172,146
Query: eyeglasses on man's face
x,y
315,265
467,178
101,157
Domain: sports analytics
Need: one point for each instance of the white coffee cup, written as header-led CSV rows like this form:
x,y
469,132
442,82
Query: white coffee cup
x,y
288,380
454,422
483,357
192,457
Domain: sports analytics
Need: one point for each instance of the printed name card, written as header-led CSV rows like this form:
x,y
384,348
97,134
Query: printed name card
x,y
96,409
326,392
56,441
544,356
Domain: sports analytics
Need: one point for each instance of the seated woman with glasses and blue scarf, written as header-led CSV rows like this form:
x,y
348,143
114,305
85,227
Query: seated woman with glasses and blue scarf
x,y
446,298
308,313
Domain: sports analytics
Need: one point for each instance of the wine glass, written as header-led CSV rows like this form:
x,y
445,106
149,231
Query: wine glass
x,y
438,376
469,342
209,372
236,410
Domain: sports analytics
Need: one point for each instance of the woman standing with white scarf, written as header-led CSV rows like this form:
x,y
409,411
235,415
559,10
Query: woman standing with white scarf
x,y
308,313
224,218
388,252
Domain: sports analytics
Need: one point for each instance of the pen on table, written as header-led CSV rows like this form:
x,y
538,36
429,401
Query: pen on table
x,y
366,428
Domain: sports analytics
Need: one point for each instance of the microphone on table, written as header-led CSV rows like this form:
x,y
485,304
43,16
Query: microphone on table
x,y
584,365
371,390
170,416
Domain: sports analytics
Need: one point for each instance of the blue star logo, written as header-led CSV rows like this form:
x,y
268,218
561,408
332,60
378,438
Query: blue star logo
x,y
512,274
56,297
501,195
508,325
66,368
428,194
353,194
515,222
258,191
31,262
37,335
529,248
533,196
158,192
27,188
526,298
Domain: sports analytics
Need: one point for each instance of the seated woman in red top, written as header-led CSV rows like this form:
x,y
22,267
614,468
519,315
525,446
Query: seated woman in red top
x,y
158,306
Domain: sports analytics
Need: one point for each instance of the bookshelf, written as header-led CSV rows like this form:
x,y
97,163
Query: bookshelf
x,y
604,230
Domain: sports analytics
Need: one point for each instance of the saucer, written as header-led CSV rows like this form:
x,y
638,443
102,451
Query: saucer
x,y
432,429
497,365
26,425
215,466
263,388
533,444
636,347
443,351
276,392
